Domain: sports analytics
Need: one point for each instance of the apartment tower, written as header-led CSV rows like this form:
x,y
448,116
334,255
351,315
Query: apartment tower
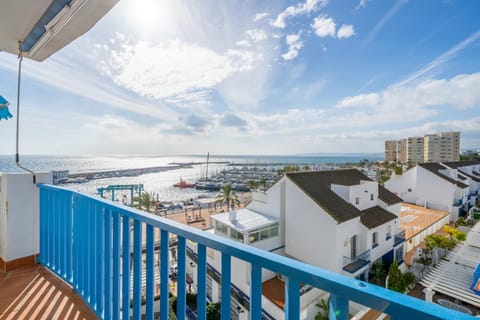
x,y
441,147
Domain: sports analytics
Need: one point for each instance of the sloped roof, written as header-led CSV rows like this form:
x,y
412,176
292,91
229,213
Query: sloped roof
x,y
458,164
387,196
474,178
376,216
435,167
317,185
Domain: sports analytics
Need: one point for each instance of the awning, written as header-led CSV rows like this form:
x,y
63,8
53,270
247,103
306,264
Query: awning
x,y
4,112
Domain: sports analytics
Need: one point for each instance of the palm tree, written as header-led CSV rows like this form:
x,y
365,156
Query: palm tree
x,y
145,201
252,184
227,195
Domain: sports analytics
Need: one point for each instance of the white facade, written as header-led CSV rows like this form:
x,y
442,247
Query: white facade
x,y
307,232
431,190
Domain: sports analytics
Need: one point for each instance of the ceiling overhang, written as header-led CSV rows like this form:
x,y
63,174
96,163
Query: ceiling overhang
x,y
42,27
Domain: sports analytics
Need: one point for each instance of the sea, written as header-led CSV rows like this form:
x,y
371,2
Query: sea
x,y
160,184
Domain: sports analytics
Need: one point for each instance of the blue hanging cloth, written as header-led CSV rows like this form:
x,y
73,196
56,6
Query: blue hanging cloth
x,y
4,112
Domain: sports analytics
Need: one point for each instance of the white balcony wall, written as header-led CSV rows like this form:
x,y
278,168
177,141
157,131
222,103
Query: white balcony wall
x,y
19,214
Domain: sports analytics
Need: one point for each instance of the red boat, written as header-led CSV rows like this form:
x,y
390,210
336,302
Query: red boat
x,y
184,184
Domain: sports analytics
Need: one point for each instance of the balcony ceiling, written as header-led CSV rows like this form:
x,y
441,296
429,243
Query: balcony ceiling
x,y
19,17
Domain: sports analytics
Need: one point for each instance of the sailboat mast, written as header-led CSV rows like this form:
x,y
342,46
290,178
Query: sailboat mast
x,y
206,171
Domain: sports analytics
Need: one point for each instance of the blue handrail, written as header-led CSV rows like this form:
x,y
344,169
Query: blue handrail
x,y
86,241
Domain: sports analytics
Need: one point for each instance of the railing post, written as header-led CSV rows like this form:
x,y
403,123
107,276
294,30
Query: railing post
x,y
164,269
226,283
107,227
126,267
201,282
338,308
150,275
255,292
116,267
181,283
292,299
137,269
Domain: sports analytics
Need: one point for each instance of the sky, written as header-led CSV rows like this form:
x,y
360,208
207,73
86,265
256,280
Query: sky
x,y
252,77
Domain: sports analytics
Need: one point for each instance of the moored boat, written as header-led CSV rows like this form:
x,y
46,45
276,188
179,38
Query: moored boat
x,y
184,184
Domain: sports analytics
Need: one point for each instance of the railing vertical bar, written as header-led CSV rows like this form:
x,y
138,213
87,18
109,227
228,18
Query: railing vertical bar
x,y
93,267
42,204
201,282
88,250
164,280
70,238
116,267
61,236
226,283
137,269
101,258
54,239
150,275
77,245
182,280
256,292
80,232
107,229
338,307
48,229
126,267
292,299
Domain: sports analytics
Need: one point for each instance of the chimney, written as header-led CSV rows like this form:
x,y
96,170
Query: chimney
x,y
232,215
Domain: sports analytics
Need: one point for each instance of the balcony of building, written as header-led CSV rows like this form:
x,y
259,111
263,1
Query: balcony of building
x,y
352,265
399,238
96,248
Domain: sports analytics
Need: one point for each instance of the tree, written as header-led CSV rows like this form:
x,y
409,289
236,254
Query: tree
x,y
398,170
395,279
251,184
323,314
145,201
214,311
228,196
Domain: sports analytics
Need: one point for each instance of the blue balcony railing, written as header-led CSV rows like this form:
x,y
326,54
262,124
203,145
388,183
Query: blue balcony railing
x,y
86,241
399,238
458,203
352,265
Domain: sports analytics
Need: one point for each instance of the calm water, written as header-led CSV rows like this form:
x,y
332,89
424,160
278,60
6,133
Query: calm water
x,y
161,183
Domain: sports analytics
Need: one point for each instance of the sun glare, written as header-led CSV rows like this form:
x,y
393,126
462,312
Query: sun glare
x,y
150,14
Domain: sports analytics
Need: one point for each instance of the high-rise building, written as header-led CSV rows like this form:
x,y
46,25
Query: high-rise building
x,y
441,147
391,150
414,149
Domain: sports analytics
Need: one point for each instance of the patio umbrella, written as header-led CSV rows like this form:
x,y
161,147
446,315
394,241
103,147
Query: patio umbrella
x,y
4,113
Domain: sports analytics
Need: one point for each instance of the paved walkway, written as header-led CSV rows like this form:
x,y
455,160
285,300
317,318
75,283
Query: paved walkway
x,y
35,293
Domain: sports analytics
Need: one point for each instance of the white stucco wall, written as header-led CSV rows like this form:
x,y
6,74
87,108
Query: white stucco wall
x,y
310,234
19,214
400,185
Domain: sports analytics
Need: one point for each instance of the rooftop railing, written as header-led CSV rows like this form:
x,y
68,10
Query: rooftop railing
x,y
399,238
352,265
86,241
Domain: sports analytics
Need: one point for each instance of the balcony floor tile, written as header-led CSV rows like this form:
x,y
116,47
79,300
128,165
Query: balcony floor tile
x,y
35,293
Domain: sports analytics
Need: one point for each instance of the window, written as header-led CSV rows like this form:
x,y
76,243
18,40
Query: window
x,y
388,235
262,234
221,227
371,197
235,235
374,240
357,200
399,254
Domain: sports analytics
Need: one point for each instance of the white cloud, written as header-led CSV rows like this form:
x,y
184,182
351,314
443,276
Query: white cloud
x,y
346,31
460,92
324,26
257,35
390,13
172,68
361,4
440,60
243,43
260,16
293,11
294,44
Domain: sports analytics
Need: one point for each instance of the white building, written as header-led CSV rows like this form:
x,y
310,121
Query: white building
x,y
449,186
339,220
